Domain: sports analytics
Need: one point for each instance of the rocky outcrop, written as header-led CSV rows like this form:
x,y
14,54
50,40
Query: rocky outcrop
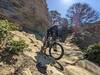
x,y
31,15
33,62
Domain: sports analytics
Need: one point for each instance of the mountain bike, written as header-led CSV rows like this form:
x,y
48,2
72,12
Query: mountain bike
x,y
56,50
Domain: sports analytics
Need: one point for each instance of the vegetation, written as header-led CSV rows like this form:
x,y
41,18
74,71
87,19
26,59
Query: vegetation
x,y
54,16
82,13
5,27
85,41
78,39
16,46
92,53
6,41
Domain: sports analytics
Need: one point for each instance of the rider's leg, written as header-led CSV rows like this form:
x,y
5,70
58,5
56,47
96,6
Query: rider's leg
x,y
44,47
55,37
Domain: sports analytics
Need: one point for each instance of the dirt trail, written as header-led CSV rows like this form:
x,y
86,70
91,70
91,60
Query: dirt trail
x,y
34,62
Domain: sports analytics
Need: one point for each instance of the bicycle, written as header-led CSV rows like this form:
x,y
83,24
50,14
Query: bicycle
x,y
55,49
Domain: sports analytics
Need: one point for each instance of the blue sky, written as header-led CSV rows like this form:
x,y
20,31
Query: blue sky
x,y
62,5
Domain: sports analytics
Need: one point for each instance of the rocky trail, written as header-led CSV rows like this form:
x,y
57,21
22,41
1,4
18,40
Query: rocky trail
x,y
33,62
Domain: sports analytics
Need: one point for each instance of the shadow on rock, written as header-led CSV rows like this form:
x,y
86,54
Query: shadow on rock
x,y
59,66
7,57
42,61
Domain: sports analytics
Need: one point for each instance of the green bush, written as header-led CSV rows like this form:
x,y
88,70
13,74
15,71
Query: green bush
x,y
93,48
9,26
78,40
3,33
5,27
82,39
16,46
6,36
3,30
92,53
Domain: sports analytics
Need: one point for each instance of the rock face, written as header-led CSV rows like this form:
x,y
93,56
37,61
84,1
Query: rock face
x,y
31,15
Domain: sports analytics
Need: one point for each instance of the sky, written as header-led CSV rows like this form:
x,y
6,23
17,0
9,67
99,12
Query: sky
x,y
62,5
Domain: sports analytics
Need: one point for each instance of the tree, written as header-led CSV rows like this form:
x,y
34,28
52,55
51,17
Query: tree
x,y
55,16
64,22
81,14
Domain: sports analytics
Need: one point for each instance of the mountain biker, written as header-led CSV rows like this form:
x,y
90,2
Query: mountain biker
x,y
57,31
52,31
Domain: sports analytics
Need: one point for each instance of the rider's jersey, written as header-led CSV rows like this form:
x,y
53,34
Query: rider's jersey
x,y
56,28
53,29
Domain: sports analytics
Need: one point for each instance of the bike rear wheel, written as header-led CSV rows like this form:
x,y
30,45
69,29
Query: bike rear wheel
x,y
56,51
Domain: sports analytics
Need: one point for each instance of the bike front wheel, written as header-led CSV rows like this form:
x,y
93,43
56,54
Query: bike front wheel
x,y
56,51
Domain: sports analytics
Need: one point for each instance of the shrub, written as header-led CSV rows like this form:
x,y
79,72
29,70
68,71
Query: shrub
x,y
93,48
5,24
16,46
6,41
5,27
3,33
92,53
78,39
83,39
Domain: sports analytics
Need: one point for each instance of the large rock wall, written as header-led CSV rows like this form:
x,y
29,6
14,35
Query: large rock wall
x,y
31,15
